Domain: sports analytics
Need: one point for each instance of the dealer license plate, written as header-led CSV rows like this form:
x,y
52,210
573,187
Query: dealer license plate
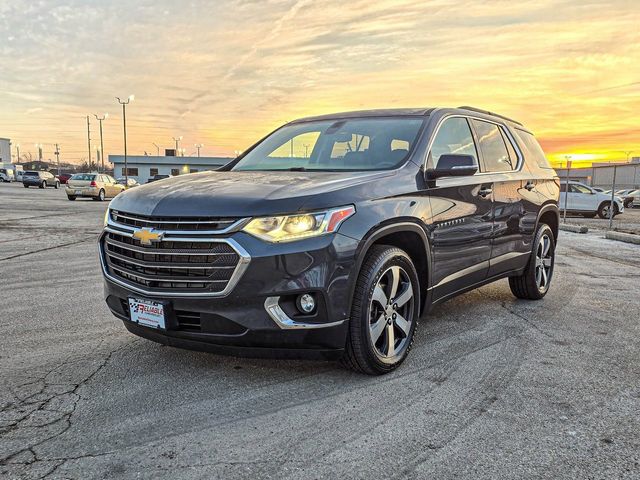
x,y
147,312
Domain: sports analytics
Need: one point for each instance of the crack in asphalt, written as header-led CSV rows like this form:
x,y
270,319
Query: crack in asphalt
x,y
67,399
46,249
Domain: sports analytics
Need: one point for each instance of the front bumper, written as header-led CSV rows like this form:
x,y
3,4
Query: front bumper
x,y
244,321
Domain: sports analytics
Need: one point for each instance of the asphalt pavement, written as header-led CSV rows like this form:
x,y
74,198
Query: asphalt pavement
x,y
494,387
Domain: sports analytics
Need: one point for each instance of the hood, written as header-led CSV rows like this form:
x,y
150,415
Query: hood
x,y
246,194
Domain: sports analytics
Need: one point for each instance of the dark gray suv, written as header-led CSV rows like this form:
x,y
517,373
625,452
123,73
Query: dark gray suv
x,y
331,236
40,179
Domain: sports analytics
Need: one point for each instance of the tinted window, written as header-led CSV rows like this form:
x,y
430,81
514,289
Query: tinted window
x,y
532,149
329,145
494,151
563,187
30,174
84,177
577,188
453,137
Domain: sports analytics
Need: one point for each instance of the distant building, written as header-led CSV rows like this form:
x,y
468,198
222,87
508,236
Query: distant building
x,y
142,167
5,150
627,175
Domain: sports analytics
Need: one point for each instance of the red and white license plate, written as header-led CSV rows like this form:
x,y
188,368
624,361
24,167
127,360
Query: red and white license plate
x,y
147,312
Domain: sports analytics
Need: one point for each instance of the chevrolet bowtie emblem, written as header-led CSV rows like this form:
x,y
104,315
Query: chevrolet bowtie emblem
x,y
147,236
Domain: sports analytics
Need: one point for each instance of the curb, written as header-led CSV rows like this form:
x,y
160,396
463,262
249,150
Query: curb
x,y
573,228
623,237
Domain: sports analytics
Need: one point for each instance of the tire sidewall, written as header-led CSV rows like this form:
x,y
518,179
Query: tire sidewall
x,y
393,256
542,230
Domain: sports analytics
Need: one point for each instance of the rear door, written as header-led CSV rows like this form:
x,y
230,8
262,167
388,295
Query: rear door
x,y
462,219
515,201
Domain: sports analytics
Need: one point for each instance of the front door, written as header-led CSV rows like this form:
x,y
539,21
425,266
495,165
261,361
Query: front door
x,y
461,215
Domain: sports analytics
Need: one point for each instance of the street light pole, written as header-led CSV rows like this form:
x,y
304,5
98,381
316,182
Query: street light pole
x,y
177,140
39,147
57,153
566,191
18,152
157,150
89,141
199,146
124,129
100,119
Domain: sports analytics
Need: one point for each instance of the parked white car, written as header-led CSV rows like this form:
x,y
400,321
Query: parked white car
x,y
6,175
585,201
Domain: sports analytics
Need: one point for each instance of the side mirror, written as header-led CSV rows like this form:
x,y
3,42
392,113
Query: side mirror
x,y
451,165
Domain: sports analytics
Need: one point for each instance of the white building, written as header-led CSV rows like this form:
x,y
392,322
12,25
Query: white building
x,y
142,167
5,150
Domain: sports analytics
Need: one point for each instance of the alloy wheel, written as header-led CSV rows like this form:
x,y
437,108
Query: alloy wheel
x,y
391,313
544,263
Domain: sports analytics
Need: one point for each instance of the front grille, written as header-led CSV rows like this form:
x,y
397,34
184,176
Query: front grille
x,y
167,224
182,262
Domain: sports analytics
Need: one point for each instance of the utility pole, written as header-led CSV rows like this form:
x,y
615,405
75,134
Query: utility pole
x,y
177,140
18,152
157,150
89,141
124,128
306,151
100,119
39,147
57,153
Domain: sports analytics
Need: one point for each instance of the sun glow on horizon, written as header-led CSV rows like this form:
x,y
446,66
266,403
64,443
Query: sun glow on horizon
x,y
226,73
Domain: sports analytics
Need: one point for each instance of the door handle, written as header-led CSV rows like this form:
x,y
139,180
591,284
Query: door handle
x,y
485,191
530,186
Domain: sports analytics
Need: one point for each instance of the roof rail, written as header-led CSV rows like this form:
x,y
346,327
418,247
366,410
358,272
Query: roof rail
x,y
487,112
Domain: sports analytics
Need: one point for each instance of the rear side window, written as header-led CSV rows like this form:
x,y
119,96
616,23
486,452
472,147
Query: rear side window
x,y
453,137
532,150
494,150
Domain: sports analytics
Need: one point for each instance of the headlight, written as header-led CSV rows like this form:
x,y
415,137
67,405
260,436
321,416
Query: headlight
x,y
294,227
106,218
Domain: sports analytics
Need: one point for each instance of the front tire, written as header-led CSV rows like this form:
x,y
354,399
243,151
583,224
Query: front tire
x,y
25,186
534,282
384,313
57,185
43,185
70,197
604,210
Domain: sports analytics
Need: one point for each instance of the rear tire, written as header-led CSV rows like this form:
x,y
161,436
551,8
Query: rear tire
x,y
100,197
43,185
71,198
384,313
57,185
534,282
25,186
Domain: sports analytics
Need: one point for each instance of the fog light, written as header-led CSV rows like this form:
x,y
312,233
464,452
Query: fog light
x,y
306,303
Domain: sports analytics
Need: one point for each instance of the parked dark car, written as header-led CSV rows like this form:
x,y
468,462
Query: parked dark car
x,y
330,237
157,177
39,179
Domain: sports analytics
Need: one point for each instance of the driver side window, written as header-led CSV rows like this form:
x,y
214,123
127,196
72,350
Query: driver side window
x,y
453,137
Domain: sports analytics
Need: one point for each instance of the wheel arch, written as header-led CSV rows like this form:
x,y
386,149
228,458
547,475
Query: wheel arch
x,y
550,214
408,236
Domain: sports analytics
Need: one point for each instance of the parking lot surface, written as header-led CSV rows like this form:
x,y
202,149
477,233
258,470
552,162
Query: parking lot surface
x,y
494,388
628,222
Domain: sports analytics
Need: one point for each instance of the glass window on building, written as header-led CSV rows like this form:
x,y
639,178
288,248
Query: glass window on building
x,y
175,172
153,171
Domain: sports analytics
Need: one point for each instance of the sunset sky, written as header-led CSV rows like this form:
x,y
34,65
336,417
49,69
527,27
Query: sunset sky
x,y
224,73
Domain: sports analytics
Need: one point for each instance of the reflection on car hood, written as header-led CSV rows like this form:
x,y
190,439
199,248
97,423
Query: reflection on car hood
x,y
244,194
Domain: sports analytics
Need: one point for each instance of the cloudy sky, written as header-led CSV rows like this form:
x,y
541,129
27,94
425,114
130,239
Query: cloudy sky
x,y
226,72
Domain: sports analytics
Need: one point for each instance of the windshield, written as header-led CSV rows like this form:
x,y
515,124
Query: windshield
x,y
336,145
